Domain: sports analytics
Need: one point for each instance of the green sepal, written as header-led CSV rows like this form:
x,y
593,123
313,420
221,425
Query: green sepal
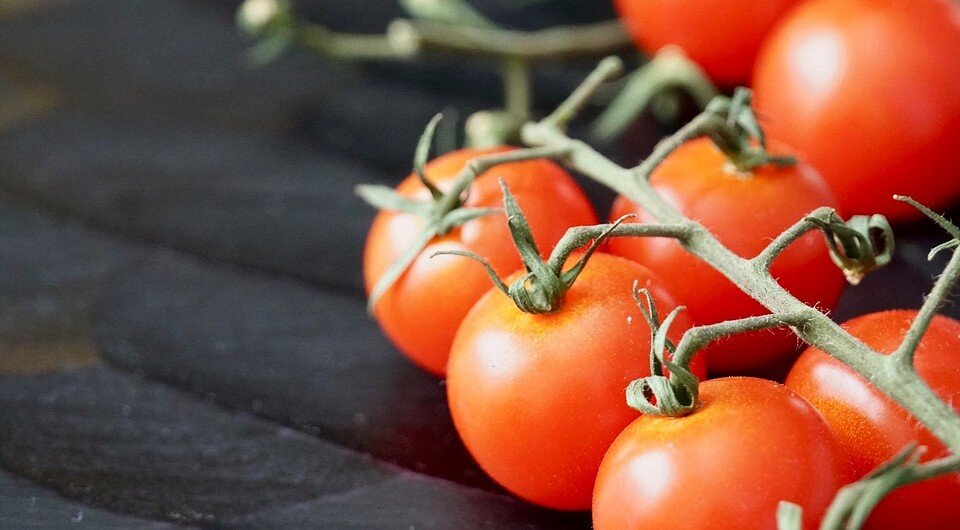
x,y
502,287
521,232
398,267
422,154
387,198
852,244
741,131
789,516
571,274
461,216
675,395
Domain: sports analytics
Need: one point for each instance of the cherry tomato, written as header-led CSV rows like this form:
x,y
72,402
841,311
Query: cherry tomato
x,y
872,429
745,212
420,313
868,91
722,37
537,399
751,444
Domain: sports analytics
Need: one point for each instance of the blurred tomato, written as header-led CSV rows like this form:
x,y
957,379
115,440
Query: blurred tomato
x,y
723,37
869,92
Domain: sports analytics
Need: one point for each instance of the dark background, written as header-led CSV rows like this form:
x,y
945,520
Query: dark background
x,y
182,332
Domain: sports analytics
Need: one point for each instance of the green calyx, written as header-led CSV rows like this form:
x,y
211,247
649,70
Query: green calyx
x,y
742,140
542,288
859,245
658,394
443,211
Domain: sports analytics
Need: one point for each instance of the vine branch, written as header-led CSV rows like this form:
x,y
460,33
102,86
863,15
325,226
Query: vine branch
x,y
766,258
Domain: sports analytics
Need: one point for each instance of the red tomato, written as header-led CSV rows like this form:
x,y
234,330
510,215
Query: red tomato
x,y
868,91
420,313
722,37
537,399
872,429
745,212
751,444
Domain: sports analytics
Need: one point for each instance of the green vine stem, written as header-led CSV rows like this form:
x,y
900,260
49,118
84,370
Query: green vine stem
x,y
455,12
444,211
890,374
670,70
450,27
551,44
854,503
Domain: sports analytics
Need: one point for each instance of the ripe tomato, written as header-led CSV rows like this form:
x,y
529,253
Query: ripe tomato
x,y
537,399
745,212
420,313
751,444
722,37
872,429
867,90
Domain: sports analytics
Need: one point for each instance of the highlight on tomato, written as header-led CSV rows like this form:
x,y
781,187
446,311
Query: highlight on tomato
x,y
423,306
722,37
745,205
872,429
538,368
749,444
867,91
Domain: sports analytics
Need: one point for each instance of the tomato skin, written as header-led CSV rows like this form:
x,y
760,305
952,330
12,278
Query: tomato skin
x,y
537,399
420,313
751,444
867,90
745,213
722,37
871,428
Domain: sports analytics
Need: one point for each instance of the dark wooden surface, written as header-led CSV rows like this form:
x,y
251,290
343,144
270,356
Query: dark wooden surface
x,y
182,333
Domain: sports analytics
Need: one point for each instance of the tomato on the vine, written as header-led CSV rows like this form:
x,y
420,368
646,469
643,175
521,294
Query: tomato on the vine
x,y
868,91
537,398
745,212
722,37
749,445
420,313
871,428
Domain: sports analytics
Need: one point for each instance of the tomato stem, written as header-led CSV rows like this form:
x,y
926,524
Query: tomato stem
x,y
669,71
941,290
765,259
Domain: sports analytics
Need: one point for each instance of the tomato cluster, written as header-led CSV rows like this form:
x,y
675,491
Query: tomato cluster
x,y
537,365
